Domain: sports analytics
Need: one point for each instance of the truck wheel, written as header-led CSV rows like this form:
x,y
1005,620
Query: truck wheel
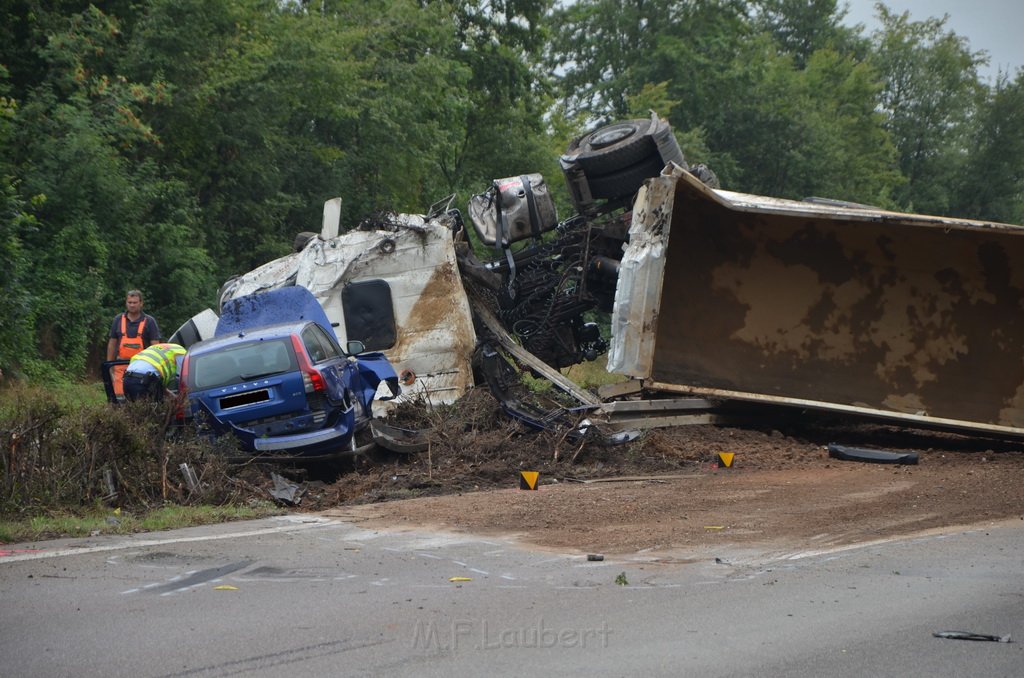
x,y
612,147
302,239
627,181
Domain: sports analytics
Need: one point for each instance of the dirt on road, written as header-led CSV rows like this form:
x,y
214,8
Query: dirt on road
x,y
665,493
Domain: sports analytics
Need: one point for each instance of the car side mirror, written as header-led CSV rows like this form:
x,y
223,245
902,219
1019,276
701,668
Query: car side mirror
x,y
354,347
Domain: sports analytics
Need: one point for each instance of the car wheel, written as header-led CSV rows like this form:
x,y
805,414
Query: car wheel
x,y
625,182
612,147
302,239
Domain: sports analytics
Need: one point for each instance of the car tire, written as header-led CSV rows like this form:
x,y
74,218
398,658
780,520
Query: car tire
x,y
625,182
302,239
610,148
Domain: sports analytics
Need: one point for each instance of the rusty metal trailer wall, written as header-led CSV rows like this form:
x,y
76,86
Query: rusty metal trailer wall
x,y
918,317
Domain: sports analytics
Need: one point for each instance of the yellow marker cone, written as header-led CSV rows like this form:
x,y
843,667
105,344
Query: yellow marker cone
x,y
528,480
725,459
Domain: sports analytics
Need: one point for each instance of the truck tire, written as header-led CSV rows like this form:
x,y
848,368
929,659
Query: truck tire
x,y
302,239
612,147
627,181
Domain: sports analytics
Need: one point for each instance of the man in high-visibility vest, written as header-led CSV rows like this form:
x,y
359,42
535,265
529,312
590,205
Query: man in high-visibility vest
x,y
152,371
130,332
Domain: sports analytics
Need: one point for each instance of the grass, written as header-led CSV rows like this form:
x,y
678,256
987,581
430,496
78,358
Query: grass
x,y
585,374
80,394
63,446
99,520
594,374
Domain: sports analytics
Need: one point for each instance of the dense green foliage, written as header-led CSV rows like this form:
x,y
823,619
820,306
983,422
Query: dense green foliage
x,y
169,144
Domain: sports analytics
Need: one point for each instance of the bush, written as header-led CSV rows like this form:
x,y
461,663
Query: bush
x,y
56,456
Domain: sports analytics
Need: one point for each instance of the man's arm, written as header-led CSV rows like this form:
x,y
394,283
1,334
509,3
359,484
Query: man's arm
x,y
151,335
115,336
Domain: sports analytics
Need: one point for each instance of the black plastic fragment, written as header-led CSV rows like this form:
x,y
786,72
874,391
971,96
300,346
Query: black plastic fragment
x,y
846,453
967,635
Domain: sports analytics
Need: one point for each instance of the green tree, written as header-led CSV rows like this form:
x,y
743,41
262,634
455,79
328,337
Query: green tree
x,y
78,152
498,128
991,187
772,94
802,27
597,47
930,97
15,220
277,108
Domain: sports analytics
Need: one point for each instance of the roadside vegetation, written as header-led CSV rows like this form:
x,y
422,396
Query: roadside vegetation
x,y
72,465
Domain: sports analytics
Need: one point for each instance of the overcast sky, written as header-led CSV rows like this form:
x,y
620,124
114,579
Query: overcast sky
x,y
996,26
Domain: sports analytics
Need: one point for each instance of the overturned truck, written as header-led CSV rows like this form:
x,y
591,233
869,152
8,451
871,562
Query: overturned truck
x,y
713,295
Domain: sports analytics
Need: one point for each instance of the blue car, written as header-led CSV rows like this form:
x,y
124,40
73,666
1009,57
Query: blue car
x,y
285,389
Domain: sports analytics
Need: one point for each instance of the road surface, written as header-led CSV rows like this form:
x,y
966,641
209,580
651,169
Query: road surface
x,y
310,595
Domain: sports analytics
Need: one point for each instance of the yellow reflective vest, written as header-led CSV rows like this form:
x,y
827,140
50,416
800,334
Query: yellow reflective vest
x,y
164,357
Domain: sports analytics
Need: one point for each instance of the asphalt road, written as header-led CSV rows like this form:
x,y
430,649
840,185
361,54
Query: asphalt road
x,y
317,597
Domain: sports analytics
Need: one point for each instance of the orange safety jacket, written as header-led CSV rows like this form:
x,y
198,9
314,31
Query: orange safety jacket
x,y
129,346
126,348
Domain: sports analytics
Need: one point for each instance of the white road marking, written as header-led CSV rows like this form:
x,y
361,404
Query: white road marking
x,y
143,543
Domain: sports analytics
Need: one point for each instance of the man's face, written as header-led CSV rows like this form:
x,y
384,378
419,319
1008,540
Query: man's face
x,y
133,305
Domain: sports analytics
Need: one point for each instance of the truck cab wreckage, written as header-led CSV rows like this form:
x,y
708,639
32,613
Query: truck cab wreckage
x,y
715,297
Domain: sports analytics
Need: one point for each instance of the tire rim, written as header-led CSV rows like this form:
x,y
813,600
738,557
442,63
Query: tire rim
x,y
611,135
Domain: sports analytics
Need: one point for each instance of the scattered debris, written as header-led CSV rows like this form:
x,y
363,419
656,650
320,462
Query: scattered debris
x,y
846,453
461,579
967,635
399,440
286,491
621,579
594,557
108,477
190,477
225,587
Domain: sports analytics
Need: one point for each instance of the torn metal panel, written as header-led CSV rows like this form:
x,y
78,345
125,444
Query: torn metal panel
x,y
639,287
434,336
911,317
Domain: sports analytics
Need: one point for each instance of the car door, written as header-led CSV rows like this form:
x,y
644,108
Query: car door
x,y
328,358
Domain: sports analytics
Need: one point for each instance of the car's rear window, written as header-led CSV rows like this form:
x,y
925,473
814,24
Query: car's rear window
x,y
241,362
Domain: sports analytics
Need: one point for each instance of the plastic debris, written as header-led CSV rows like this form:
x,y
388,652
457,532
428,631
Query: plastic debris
x,y
460,579
595,557
286,491
846,453
225,587
967,635
190,477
